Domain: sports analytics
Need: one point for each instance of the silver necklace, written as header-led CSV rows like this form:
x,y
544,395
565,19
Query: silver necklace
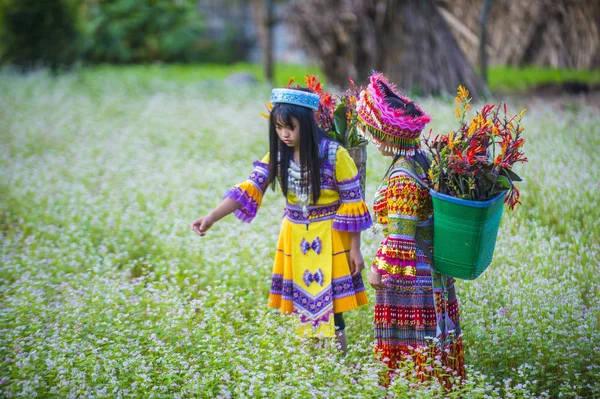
x,y
298,183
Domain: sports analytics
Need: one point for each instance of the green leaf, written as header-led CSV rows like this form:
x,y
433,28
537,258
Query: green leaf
x,y
339,120
511,175
490,177
353,139
497,190
333,135
504,182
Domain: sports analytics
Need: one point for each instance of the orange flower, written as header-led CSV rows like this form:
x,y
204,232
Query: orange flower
x,y
472,128
462,93
457,112
522,113
269,109
452,140
430,175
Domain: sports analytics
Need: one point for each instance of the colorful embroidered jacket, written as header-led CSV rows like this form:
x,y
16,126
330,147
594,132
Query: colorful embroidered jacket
x,y
402,206
340,199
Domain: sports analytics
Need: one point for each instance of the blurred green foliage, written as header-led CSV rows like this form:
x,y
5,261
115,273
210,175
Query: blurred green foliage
x,y
518,79
56,33
501,78
36,32
125,31
145,75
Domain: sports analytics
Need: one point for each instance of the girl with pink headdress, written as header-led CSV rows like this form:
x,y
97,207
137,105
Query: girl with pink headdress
x,y
416,311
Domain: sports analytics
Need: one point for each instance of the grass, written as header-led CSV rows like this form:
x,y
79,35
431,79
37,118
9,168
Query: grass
x,y
182,73
105,291
502,79
520,79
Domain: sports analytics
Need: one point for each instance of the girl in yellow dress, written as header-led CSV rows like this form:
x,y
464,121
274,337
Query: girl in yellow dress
x,y
318,263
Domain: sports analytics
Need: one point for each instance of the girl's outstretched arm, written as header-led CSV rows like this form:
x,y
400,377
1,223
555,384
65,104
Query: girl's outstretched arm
x,y
227,206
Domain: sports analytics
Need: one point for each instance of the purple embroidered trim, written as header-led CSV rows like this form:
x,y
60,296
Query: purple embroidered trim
x,y
312,306
350,190
276,284
352,195
327,180
350,183
346,286
342,287
316,246
287,292
359,285
317,277
281,286
352,223
304,319
248,208
260,175
315,212
259,180
262,166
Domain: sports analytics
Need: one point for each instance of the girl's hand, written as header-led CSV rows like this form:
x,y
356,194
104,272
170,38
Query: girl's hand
x,y
227,206
201,226
357,263
375,281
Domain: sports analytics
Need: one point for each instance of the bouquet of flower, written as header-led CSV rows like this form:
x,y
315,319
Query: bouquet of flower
x,y
345,119
338,120
475,161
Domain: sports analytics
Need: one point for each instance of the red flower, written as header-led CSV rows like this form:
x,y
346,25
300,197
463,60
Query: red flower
x,y
460,155
468,161
486,110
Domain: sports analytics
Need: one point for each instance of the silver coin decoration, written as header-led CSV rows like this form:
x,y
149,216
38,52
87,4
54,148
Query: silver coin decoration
x,y
298,183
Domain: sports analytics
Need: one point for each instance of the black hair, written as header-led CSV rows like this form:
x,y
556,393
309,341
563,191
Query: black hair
x,y
396,102
281,154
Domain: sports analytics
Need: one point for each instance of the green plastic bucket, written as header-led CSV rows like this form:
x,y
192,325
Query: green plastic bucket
x,y
464,234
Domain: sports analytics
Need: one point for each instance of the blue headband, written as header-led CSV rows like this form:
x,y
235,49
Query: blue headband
x,y
296,97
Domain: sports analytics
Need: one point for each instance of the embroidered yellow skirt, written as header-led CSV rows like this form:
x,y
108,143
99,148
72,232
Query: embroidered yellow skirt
x,y
311,276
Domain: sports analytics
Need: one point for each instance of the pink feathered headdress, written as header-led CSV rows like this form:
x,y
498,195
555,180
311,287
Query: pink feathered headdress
x,y
388,118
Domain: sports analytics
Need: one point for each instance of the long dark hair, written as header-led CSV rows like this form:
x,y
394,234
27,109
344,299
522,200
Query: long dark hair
x,y
281,154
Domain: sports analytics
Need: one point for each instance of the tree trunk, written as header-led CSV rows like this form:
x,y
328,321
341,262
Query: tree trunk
x,y
263,16
483,40
408,40
554,33
423,55
268,48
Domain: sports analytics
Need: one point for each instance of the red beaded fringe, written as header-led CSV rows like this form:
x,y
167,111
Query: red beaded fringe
x,y
428,361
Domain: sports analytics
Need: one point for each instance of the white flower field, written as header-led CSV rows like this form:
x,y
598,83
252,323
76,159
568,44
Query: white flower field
x,y
107,293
